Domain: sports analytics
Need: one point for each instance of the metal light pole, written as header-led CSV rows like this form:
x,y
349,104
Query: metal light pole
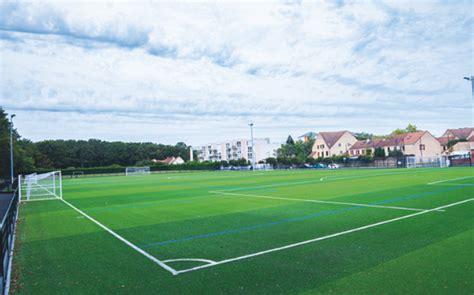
x,y
11,147
253,151
472,84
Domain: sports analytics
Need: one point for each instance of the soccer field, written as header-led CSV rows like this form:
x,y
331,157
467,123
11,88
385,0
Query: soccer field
x,y
392,231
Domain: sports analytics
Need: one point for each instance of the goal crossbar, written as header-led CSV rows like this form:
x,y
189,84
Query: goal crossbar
x,y
44,186
132,171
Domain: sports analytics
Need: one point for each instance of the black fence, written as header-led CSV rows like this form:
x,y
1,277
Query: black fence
x,y
10,214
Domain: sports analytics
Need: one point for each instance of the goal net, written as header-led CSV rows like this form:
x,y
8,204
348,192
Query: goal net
x,y
44,186
131,171
427,162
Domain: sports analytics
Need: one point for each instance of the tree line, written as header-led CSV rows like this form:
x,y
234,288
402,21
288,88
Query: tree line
x,y
67,154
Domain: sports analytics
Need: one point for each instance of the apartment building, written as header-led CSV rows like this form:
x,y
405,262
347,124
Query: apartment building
x,y
237,149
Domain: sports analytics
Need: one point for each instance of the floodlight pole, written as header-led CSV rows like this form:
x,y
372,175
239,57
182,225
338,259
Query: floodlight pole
x,y
11,148
472,84
253,150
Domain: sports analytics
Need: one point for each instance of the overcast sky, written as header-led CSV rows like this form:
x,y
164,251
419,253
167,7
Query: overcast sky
x,y
201,72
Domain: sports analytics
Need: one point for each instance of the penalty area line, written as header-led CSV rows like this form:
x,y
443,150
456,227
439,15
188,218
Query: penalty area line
x,y
319,201
125,241
320,238
447,180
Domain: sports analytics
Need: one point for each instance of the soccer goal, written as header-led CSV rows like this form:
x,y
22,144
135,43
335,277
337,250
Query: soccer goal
x,y
132,171
44,186
427,162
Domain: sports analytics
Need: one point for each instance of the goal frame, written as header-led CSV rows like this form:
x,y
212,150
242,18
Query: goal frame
x,y
54,191
144,170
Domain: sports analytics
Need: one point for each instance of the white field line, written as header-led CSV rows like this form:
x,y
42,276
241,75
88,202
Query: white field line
x,y
318,180
128,243
456,184
335,177
447,180
191,259
318,201
41,199
322,238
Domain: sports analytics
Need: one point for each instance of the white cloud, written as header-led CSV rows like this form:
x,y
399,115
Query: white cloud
x,y
173,71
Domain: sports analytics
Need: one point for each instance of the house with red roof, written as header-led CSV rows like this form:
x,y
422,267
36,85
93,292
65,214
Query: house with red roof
x,y
465,146
460,133
329,144
420,144
362,147
170,161
455,134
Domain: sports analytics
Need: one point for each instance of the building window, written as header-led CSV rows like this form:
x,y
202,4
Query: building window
x,y
422,147
322,146
339,144
327,153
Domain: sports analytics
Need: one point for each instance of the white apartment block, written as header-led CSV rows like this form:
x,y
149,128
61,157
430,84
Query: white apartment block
x,y
237,149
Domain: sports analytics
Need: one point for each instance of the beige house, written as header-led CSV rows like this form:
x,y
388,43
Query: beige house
x,y
329,144
362,147
464,146
420,144
455,134
460,133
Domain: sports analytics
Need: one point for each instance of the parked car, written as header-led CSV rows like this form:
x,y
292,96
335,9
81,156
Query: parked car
x,y
319,166
333,166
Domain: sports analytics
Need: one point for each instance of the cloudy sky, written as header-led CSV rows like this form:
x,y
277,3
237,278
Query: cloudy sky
x,y
198,72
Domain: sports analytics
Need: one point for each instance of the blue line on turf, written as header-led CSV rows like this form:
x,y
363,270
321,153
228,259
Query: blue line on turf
x,y
296,219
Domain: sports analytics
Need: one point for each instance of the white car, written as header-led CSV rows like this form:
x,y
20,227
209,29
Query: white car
x,y
333,166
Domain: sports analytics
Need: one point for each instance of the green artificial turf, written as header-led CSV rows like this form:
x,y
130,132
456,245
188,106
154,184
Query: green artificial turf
x,y
224,215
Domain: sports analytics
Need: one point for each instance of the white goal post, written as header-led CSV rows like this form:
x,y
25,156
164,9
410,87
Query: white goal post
x,y
132,171
44,186
427,162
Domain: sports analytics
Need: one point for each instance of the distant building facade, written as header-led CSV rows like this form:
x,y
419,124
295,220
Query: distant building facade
x,y
419,144
329,144
308,136
364,147
455,134
237,149
170,161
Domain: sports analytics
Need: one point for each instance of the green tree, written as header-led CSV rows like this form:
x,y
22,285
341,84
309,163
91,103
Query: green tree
x,y
408,129
290,140
379,152
363,136
272,161
22,150
395,153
